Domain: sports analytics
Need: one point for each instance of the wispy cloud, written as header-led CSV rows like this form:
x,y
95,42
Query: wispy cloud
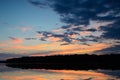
x,y
24,29
73,49
39,4
54,39
16,40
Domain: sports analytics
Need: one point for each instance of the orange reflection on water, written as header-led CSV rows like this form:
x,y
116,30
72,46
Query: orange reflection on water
x,y
42,74
82,75
23,78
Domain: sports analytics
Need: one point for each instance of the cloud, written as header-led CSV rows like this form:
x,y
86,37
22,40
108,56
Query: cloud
x,y
81,12
54,39
87,22
73,49
54,48
75,12
84,33
30,38
38,3
2,44
110,50
70,36
57,30
67,37
111,32
16,40
27,49
24,29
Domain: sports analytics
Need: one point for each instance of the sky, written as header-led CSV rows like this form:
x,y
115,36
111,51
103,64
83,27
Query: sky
x,y
58,27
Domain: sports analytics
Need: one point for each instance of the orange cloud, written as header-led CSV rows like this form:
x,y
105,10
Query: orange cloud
x,y
29,48
81,49
53,48
54,39
74,49
17,41
2,44
85,33
57,30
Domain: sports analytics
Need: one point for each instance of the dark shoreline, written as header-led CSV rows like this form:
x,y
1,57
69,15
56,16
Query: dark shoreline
x,y
2,61
58,66
76,62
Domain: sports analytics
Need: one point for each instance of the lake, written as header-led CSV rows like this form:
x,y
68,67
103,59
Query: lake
x,y
8,73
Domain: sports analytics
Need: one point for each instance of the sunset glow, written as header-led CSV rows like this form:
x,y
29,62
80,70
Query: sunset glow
x,y
41,27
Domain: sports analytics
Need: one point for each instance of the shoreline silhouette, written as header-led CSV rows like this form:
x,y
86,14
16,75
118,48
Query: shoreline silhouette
x,y
76,62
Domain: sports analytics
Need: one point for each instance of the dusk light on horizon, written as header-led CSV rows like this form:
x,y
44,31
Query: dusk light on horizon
x,y
58,27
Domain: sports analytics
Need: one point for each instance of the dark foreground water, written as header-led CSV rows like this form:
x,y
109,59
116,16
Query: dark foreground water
x,y
8,73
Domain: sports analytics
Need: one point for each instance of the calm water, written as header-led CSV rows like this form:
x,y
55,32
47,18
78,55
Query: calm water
x,y
7,73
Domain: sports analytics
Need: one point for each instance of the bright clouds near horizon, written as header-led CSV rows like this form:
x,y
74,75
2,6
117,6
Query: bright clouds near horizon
x,y
55,48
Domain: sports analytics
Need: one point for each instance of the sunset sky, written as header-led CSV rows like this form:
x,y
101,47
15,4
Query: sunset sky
x,y
51,27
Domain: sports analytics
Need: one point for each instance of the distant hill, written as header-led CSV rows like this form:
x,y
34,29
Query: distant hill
x,y
85,61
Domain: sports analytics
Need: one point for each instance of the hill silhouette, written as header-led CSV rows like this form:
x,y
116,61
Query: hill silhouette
x,y
76,62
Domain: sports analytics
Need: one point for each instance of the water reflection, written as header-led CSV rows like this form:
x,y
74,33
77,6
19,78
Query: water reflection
x,y
43,74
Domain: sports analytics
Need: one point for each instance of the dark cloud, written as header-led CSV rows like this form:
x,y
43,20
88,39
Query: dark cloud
x,y
65,44
45,33
115,73
43,39
58,35
111,50
66,27
81,12
70,32
91,30
81,29
12,38
66,39
38,3
83,39
30,38
112,31
66,36
90,9
77,29
94,38
77,12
